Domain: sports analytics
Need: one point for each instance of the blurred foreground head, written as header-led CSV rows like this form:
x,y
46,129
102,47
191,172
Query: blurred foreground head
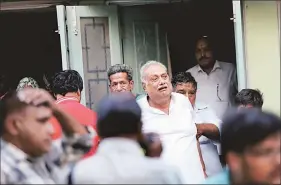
x,y
24,125
250,141
119,115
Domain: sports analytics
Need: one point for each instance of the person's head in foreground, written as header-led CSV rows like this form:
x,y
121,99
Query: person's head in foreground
x,y
156,81
26,125
250,141
249,98
27,82
67,83
120,78
119,115
184,83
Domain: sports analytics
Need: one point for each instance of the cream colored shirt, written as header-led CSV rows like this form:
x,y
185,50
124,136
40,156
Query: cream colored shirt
x,y
217,89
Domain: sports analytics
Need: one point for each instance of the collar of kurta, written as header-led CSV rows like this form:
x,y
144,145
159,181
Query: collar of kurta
x,y
216,66
66,98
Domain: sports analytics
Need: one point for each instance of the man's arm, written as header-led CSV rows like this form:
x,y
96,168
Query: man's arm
x,y
201,158
209,130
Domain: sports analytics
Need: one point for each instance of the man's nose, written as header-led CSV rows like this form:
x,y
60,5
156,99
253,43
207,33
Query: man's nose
x,y
119,87
203,54
50,128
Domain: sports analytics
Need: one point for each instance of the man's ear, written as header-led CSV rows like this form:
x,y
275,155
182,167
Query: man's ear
x,y
132,84
143,86
233,160
12,125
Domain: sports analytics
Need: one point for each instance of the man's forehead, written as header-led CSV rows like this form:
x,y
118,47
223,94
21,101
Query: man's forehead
x,y
202,43
156,70
118,76
38,112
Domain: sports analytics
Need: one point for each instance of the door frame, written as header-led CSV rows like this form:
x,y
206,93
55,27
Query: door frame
x,y
239,33
74,13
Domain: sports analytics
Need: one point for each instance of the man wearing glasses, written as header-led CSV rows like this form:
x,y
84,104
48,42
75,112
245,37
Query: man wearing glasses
x,y
217,84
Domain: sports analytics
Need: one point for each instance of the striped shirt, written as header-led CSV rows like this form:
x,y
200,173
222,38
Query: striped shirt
x,y
52,168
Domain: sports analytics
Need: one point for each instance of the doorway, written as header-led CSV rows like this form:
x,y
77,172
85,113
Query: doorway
x,y
168,33
30,46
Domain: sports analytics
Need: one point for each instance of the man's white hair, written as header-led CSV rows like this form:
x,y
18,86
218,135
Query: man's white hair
x,y
146,66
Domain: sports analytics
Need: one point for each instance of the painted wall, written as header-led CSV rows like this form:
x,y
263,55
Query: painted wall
x,y
262,39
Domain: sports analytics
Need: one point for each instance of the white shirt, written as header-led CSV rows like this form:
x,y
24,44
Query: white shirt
x,y
217,89
122,161
204,114
178,136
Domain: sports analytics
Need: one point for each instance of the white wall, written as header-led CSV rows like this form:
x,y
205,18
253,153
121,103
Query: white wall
x,y
262,44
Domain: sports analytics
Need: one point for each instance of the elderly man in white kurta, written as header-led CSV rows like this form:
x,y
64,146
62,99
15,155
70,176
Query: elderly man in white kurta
x,y
217,84
170,115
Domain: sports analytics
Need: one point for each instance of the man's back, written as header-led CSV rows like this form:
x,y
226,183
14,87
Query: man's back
x,y
82,114
121,161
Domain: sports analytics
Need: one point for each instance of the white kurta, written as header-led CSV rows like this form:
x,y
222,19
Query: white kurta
x,y
178,136
204,114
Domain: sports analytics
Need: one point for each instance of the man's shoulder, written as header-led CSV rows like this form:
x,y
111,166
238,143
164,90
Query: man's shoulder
x,y
180,99
227,65
141,100
193,69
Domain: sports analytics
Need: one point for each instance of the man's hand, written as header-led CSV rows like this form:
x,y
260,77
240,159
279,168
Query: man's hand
x,y
36,97
199,131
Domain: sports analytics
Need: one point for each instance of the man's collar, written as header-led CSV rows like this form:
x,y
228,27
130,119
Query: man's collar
x,y
14,151
216,66
67,98
110,145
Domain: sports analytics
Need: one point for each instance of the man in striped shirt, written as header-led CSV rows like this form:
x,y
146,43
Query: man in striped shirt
x,y
28,154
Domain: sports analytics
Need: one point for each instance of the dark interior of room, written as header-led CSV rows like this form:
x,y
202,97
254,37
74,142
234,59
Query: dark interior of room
x,y
29,47
185,22
200,18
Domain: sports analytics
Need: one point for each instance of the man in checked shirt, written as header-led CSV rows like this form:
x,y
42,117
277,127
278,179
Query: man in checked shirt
x,y
27,152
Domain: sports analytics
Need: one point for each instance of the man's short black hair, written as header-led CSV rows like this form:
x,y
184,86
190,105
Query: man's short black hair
x,y
184,77
118,115
247,127
249,97
120,68
66,81
9,104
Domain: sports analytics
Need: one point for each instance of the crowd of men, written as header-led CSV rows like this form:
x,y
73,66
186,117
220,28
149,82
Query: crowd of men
x,y
172,134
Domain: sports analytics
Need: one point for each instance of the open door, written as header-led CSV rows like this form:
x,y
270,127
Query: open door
x,y
143,40
239,45
92,45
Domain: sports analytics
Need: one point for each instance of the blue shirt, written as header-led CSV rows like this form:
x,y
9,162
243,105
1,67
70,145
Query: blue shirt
x,y
221,178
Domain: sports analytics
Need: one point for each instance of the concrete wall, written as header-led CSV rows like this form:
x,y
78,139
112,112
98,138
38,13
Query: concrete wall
x,y
262,44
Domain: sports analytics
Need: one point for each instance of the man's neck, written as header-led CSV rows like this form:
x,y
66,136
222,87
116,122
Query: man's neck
x,y
208,69
14,141
161,104
68,95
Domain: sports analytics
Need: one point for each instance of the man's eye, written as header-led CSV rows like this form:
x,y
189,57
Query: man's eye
x,y
181,92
